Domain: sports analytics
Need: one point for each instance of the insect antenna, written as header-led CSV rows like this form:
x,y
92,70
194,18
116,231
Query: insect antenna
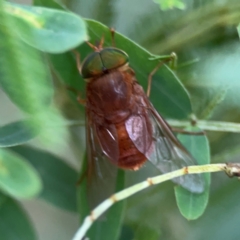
x,y
78,60
95,48
100,45
112,31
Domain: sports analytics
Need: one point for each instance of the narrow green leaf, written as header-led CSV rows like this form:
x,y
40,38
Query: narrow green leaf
x,y
17,133
126,233
47,29
82,199
17,177
111,222
59,179
217,98
14,223
193,205
167,93
146,232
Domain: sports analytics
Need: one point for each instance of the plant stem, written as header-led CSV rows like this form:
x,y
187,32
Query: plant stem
x,y
231,169
208,125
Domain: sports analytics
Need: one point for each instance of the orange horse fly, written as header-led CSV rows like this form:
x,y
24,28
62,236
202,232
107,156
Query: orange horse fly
x,y
122,124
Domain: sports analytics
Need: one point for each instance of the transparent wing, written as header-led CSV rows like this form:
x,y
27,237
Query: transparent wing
x,y
102,173
139,130
165,151
168,154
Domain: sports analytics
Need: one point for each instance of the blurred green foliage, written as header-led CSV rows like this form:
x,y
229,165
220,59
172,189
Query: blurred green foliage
x,y
167,5
204,36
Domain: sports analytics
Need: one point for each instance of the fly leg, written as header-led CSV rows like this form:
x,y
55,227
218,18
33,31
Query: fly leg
x,y
172,57
99,45
78,94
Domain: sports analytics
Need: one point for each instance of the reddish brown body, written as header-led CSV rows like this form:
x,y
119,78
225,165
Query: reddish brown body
x,y
112,101
122,125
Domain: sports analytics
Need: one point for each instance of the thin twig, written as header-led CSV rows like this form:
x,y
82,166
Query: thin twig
x,y
231,169
208,125
204,125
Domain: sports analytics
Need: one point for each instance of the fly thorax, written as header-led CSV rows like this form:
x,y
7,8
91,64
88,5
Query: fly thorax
x,y
110,92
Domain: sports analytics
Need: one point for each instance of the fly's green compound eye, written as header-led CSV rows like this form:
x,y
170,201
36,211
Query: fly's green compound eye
x,y
113,58
99,63
92,65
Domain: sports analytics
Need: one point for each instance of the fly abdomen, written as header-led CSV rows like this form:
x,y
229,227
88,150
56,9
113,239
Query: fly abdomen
x,y
129,156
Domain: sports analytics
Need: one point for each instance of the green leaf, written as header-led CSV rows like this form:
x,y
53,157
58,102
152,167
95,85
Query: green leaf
x,y
47,29
217,98
14,223
126,233
17,177
193,205
168,95
114,217
170,4
65,67
25,77
111,221
59,179
17,133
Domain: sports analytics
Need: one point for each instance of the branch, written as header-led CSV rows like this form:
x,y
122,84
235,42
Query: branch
x,y
231,169
204,125
208,125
